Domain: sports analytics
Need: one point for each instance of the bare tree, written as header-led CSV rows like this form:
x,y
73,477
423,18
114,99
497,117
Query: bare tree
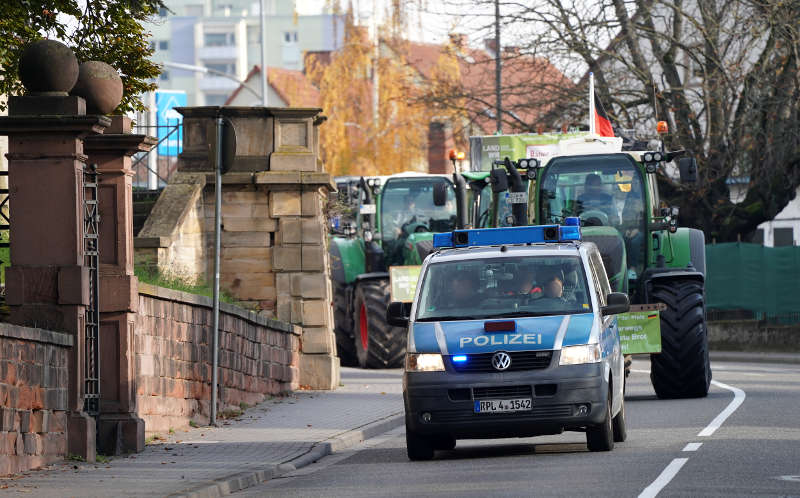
x,y
724,74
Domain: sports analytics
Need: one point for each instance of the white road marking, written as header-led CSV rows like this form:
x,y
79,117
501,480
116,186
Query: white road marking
x,y
672,469
789,478
662,480
738,399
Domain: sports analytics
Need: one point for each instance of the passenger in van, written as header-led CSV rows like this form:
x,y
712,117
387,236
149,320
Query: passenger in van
x,y
524,285
462,291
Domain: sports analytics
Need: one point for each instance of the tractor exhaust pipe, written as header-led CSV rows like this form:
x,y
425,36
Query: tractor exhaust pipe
x,y
461,200
519,211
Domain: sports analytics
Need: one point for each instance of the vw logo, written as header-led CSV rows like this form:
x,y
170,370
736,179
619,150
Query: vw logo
x,y
501,361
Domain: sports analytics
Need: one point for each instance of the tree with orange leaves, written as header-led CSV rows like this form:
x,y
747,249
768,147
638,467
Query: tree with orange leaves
x,y
355,140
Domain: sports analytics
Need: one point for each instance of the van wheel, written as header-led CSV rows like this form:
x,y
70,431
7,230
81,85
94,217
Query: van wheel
x,y
601,437
620,432
418,447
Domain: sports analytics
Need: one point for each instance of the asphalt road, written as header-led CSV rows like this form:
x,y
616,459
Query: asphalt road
x,y
747,430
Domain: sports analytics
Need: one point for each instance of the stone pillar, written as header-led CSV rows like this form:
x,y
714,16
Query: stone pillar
x,y
274,255
47,282
119,428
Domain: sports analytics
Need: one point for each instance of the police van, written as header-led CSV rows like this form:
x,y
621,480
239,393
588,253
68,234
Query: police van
x,y
512,333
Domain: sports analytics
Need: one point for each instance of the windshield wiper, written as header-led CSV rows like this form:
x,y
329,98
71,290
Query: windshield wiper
x,y
527,313
446,318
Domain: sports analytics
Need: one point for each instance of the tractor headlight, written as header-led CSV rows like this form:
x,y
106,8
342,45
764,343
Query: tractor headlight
x,y
424,362
577,355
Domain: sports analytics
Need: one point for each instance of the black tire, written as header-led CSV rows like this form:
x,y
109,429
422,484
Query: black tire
x,y
601,437
628,359
418,448
618,424
697,249
343,326
682,369
378,345
443,442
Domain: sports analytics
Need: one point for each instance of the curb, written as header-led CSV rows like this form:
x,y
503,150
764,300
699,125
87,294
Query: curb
x,y
243,480
754,357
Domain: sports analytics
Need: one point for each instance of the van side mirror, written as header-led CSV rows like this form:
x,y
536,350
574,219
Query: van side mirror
x,y
397,314
439,194
499,179
617,303
688,169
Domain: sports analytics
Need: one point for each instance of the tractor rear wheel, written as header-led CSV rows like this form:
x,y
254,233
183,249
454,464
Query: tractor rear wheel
x,y
682,369
343,326
377,344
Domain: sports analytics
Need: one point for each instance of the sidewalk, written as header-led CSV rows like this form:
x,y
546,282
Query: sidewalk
x,y
274,437
754,357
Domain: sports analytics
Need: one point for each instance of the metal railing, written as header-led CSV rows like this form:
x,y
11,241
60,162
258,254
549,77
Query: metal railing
x,y
162,160
784,318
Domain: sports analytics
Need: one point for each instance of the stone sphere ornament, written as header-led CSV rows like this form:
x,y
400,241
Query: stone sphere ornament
x,y
48,66
101,86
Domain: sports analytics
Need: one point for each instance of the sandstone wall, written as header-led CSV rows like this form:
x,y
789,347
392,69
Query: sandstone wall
x,y
33,397
258,357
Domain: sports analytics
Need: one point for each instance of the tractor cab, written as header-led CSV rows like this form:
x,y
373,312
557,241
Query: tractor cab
x,y
606,191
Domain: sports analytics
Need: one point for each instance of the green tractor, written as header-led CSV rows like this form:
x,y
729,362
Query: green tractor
x,y
392,230
614,192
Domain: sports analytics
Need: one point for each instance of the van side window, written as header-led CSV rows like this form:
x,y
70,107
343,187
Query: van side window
x,y
601,280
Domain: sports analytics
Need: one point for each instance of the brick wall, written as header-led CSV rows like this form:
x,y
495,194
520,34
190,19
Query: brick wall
x,y
258,357
33,397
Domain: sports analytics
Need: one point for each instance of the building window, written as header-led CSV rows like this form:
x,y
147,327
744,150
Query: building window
x,y
219,39
194,10
216,99
222,68
163,45
164,76
162,12
290,36
152,45
783,237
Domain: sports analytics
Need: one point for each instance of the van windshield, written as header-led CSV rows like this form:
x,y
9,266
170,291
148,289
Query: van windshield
x,y
503,287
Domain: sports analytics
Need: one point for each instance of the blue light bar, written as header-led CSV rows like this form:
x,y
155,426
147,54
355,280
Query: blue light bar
x,y
535,234
459,358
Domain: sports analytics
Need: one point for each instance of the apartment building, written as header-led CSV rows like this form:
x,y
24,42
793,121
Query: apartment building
x,y
224,36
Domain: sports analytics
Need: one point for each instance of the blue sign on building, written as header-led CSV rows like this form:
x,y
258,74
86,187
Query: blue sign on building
x,y
170,138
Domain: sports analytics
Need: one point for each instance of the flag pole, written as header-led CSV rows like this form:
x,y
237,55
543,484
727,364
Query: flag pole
x,y
591,104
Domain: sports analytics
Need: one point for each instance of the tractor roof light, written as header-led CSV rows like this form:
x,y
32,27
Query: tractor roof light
x,y
662,128
460,155
537,234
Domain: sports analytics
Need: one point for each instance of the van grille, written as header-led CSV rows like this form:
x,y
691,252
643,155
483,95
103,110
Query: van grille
x,y
520,360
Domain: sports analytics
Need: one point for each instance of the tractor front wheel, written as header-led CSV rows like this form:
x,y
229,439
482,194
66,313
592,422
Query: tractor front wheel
x,y
378,344
343,326
682,369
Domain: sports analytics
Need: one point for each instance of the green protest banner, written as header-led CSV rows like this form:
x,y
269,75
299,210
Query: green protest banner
x,y
403,280
639,332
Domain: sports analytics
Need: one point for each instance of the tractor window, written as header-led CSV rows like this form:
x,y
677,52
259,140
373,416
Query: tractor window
x,y
603,190
407,207
503,287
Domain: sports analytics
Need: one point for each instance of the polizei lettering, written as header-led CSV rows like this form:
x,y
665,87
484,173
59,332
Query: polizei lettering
x,y
501,340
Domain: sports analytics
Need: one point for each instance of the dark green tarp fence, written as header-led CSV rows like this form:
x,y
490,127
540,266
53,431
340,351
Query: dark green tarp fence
x,y
765,280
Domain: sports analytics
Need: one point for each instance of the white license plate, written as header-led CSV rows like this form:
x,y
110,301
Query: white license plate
x,y
503,405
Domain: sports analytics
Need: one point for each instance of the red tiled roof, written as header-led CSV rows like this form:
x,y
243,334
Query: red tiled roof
x,y
291,86
530,85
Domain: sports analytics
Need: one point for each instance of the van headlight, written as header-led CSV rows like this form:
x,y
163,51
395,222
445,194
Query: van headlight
x,y
577,355
424,362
